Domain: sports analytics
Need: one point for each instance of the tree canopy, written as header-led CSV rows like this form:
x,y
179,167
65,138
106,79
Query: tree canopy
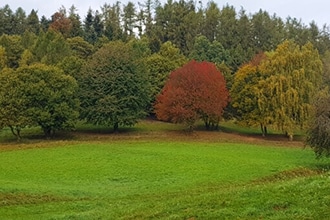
x,y
279,91
195,91
38,95
114,90
244,94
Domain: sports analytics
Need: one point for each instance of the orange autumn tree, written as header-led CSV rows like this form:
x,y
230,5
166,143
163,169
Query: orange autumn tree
x,y
195,91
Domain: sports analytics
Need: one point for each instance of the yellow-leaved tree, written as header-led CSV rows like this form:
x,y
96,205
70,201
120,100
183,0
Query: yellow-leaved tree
x,y
244,94
294,75
278,89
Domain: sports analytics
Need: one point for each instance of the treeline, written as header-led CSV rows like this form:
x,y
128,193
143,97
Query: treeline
x,y
109,67
240,35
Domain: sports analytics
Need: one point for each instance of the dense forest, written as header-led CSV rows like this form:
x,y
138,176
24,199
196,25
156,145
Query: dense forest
x,y
233,35
109,66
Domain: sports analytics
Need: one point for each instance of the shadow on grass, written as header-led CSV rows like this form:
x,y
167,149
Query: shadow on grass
x,y
233,128
31,135
145,127
104,130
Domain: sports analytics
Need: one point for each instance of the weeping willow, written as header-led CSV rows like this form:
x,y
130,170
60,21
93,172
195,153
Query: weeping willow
x,y
293,77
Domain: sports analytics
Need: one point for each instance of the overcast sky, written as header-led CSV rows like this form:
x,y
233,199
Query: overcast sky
x,y
306,10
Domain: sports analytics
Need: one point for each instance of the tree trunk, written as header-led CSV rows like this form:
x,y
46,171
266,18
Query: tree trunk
x,y
263,132
207,125
47,132
191,126
217,126
289,135
16,132
115,127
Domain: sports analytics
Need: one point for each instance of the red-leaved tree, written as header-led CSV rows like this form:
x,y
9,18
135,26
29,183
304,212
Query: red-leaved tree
x,y
195,91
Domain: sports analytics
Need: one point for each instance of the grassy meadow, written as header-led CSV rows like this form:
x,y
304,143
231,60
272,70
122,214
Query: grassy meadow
x,y
159,171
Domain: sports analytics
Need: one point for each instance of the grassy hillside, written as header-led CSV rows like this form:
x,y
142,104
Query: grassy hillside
x,y
156,171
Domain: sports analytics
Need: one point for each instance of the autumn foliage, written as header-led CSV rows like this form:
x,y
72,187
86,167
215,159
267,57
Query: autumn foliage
x,y
195,91
61,24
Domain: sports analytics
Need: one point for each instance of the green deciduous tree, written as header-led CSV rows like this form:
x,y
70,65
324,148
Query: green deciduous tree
x,y
80,47
72,66
52,100
51,48
114,90
38,95
13,102
160,65
141,48
204,50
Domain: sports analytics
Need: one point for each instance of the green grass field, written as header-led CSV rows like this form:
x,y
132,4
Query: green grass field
x,y
156,171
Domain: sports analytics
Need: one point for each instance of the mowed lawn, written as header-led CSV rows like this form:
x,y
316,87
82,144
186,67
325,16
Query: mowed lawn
x,y
150,178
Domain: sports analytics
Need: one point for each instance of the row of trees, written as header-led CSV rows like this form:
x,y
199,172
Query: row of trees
x,y
275,88
240,35
284,89
112,88
114,83
49,77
